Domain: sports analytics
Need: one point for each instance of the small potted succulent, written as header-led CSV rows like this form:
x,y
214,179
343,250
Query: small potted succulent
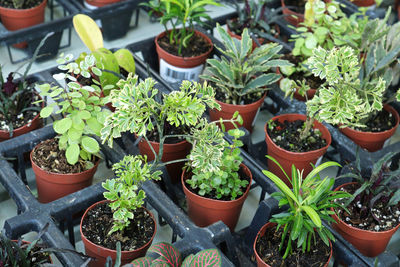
x,y
356,96
300,239
372,214
162,121
19,14
67,163
121,217
217,194
183,51
166,254
241,76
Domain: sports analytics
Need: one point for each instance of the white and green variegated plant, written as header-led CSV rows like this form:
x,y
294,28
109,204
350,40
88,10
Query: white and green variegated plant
x,y
80,107
352,93
241,70
124,191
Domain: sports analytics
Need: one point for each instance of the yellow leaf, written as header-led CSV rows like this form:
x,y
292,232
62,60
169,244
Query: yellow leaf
x,y
88,31
125,60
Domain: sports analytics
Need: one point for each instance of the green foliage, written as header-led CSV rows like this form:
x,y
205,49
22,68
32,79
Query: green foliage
x,y
309,203
180,12
224,182
123,192
242,71
327,25
165,254
81,109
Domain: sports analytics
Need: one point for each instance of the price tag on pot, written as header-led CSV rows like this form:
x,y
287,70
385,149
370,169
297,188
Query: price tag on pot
x,y
174,74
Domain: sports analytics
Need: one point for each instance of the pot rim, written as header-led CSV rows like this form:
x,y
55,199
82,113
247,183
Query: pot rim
x,y
7,9
112,250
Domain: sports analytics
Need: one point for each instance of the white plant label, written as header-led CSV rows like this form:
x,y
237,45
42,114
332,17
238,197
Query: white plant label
x,y
175,74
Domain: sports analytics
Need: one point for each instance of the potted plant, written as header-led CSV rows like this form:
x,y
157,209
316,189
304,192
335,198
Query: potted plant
x,y
356,96
183,51
121,217
165,253
162,121
67,163
19,14
241,76
300,239
219,194
372,214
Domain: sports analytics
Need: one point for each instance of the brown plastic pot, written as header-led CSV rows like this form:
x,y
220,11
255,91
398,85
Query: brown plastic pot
x,y
302,160
205,211
170,152
101,253
363,2
292,17
372,141
52,186
100,3
248,113
15,19
260,262
35,124
369,243
183,62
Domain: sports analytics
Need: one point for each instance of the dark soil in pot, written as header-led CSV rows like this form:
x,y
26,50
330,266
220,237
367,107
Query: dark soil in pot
x,y
27,3
286,135
49,157
358,216
22,119
196,46
267,248
246,99
98,223
236,27
169,130
212,195
383,121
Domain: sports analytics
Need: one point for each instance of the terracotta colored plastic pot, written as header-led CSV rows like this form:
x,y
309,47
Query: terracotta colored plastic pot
x,y
363,2
369,243
310,92
35,124
372,141
248,113
15,19
292,17
100,3
101,253
171,152
260,262
205,211
52,186
183,62
286,158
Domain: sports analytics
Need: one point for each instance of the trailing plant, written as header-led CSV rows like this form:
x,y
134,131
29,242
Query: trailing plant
x,y
124,192
352,94
381,185
81,109
184,13
309,202
241,71
165,254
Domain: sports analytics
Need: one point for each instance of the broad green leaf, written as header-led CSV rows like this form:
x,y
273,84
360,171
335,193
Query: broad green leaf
x,y
313,215
46,112
125,60
72,154
63,125
88,31
90,145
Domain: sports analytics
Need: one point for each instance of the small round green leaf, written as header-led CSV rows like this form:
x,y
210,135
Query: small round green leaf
x,y
72,153
46,112
62,125
90,145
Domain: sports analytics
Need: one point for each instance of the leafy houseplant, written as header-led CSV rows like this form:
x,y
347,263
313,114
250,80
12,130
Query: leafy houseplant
x,y
214,195
165,253
241,76
182,51
76,152
373,210
309,202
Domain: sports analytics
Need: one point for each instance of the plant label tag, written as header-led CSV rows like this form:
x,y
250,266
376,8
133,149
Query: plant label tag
x,y
175,74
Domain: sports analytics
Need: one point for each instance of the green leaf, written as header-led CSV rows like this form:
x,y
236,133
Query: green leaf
x,y
62,125
46,112
313,215
72,154
281,185
84,114
298,225
74,134
90,145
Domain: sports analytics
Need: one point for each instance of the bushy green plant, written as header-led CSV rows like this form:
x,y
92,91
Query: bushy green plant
x,y
184,13
80,107
241,71
224,182
309,203
124,192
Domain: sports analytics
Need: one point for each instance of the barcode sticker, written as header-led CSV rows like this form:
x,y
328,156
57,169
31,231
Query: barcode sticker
x,y
175,74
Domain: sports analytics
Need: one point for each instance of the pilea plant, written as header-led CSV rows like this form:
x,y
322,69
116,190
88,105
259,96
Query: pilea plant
x,y
81,108
309,203
241,71
165,254
124,192
184,13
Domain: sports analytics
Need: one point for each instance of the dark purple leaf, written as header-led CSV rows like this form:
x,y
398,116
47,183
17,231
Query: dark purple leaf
x,y
9,86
